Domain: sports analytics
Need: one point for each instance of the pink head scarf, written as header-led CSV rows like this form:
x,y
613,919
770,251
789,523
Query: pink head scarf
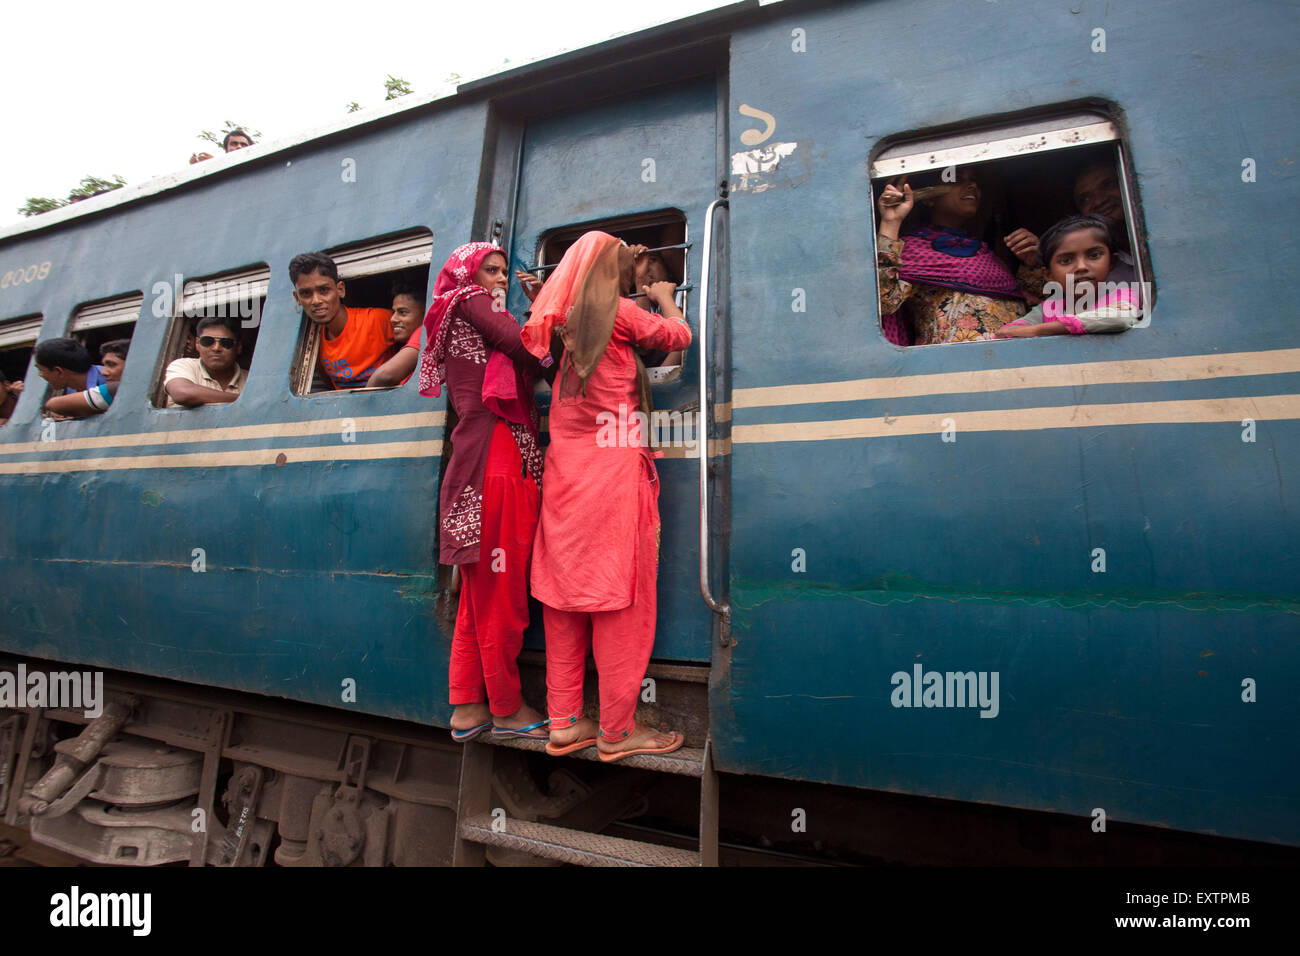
x,y
455,284
567,287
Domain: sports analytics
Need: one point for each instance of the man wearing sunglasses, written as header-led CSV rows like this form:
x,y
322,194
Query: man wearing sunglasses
x,y
213,377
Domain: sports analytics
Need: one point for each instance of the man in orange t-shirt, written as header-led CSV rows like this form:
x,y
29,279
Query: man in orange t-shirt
x,y
354,342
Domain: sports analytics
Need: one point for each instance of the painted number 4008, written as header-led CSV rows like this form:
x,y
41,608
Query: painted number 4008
x,y
30,274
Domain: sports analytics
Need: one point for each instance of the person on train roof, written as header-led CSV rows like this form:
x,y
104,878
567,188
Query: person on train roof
x,y
215,376
1096,193
595,562
489,497
96,399
354,342
940,284
66,365
1079,252
407,323
235,139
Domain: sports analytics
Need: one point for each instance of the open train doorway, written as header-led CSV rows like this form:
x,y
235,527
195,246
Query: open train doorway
x,y
648,176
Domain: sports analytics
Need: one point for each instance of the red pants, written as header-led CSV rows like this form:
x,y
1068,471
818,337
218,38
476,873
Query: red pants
x,y
493,608
621,641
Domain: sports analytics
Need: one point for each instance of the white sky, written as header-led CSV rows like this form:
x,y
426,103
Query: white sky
x,y
102,88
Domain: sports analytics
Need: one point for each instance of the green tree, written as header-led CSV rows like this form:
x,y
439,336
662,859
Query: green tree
x,y
36,205
353,106
395,87
93,186
89,186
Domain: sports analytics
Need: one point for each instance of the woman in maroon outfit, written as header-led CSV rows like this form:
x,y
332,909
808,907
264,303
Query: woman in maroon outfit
x,y
490,496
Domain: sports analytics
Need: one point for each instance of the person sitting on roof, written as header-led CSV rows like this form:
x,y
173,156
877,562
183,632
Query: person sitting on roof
x,y
235,139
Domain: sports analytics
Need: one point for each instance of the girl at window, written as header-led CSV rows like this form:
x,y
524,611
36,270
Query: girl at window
x,y
1080,253
940,284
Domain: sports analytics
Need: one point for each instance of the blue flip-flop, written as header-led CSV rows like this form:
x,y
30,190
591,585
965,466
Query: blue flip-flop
x,y
473,733
505,733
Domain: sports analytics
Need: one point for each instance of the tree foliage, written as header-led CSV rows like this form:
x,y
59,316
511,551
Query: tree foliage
x,y
395,86
89,186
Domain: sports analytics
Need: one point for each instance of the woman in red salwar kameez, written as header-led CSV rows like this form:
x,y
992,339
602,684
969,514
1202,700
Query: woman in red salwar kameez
x,y
490,494
595,559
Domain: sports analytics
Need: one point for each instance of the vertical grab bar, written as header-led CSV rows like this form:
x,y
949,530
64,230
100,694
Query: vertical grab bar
x,y
702,435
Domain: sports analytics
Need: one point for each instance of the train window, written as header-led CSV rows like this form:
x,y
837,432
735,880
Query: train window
x,y
665,234
238,295
17,339
98,322
370,271
1029,175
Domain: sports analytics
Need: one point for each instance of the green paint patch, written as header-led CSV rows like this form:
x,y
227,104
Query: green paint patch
x,y
151,498
887,589
421,588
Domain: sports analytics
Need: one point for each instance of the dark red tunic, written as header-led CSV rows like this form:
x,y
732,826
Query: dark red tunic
x,y
474,333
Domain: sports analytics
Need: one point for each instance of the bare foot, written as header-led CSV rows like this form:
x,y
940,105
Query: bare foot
x,y
521,718
584,729
643,738
469,716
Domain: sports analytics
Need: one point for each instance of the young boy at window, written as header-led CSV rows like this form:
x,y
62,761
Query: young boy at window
x,y
407,321
212,378
354,343
66,365
96,399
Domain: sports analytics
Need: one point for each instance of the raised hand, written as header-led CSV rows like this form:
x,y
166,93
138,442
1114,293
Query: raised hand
x,y
662,293
1024,246
895,203
529,283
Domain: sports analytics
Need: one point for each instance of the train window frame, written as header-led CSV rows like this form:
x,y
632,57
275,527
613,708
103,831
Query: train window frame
x,y
18,333
1052,131
114,311
669,216
221,292
383,255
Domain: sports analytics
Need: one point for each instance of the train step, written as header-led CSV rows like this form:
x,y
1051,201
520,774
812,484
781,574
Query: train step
x,y
571,846
687,762
481,826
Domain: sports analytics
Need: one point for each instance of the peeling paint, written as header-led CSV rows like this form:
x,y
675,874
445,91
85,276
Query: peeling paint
x,y
755,166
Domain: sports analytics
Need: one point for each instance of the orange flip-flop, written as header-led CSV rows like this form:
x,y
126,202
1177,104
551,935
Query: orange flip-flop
x,y
619,755
563,749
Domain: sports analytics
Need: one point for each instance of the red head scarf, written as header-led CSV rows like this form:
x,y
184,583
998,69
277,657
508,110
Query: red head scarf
x,y
455,284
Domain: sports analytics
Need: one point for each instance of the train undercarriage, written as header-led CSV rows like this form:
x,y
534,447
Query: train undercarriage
x,y
174,774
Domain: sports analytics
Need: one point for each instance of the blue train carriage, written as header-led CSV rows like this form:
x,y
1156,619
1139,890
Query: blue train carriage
x,y
260,577
1097,523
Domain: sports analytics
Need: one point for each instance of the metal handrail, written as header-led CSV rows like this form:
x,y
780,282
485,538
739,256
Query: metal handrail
x,y
702,434
547,268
